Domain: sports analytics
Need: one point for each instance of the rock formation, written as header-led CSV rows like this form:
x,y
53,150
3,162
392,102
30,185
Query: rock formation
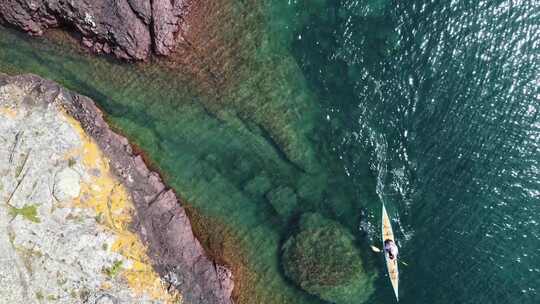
x,y
128,29
79,205
323,260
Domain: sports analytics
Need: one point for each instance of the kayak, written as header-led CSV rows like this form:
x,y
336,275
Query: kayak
x,y
391,265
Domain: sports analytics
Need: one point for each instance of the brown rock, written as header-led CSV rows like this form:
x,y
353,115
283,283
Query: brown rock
x,y
165,25
129,29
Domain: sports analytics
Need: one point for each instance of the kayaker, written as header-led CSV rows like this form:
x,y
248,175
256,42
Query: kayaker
x,y
391,248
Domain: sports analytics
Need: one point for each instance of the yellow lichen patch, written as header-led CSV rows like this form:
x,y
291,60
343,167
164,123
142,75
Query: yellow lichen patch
x,y
114,209
140,274
8,112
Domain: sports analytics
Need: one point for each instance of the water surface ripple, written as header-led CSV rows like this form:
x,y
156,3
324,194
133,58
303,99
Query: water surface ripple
x,y
445,96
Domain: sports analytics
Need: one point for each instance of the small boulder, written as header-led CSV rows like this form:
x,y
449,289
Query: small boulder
x,y
323,260
283,200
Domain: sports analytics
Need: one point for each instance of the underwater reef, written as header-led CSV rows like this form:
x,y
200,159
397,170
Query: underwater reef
x,y
322,259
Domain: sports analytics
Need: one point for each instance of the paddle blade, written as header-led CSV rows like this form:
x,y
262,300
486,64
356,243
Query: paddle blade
x,y
375,249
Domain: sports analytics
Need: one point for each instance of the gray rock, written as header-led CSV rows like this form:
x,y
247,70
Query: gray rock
x,y
161,222
52,249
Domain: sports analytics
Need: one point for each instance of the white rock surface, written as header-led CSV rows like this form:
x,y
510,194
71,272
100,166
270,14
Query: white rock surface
x,y
67,185
60,253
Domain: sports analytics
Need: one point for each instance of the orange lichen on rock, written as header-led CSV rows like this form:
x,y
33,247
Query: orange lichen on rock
x,y
114,210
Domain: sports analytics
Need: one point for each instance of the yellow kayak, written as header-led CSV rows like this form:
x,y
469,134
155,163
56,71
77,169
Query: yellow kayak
x,y
391,265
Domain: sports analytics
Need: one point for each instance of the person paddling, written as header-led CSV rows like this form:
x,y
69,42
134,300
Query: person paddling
x,y
391,248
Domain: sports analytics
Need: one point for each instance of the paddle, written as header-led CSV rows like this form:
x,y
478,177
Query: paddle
x,y
377,250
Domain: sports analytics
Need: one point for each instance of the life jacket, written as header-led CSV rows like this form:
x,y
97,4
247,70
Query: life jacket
x,y
391,248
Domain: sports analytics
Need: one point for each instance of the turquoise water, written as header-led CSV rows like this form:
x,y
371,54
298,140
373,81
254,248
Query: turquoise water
x,y
445,96
431,107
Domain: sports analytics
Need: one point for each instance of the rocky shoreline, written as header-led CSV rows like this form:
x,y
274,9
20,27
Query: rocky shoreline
x,y
160,221
127,29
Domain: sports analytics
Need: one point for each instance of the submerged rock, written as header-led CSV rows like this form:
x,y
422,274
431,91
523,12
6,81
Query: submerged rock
x,y
283,200
322,259
129,29
83,219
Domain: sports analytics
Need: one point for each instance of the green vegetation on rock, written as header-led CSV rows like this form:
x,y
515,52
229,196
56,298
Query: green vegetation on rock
x,y
114,269
39,295
323,260
28,212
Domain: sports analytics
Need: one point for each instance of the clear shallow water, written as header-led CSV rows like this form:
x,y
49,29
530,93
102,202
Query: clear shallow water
x,y
430,107
241,159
